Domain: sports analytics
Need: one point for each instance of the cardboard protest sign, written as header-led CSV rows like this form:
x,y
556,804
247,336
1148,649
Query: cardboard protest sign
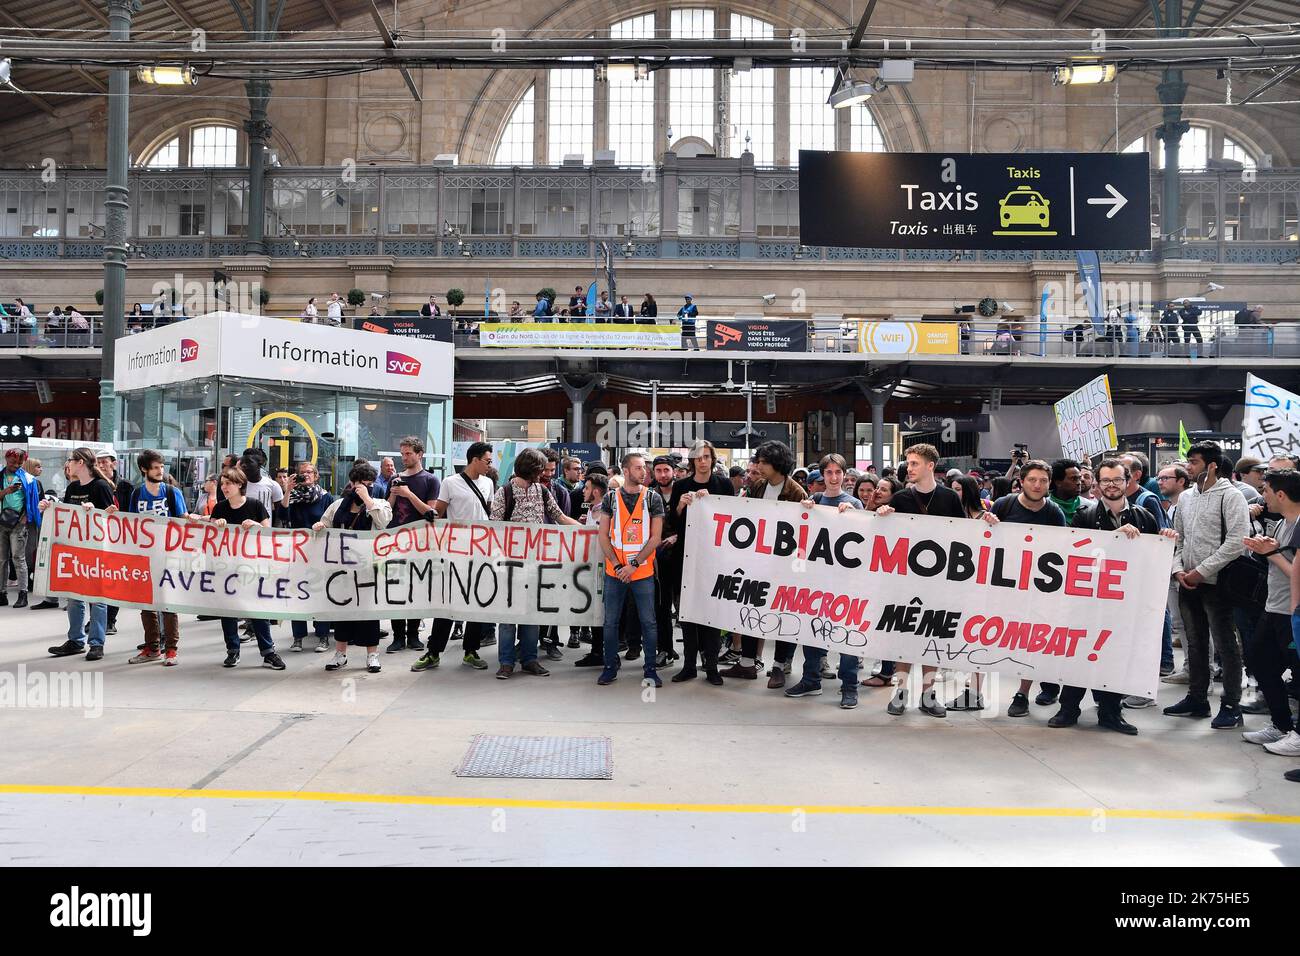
x,y
1053,604
1271,425
484,571
1086,420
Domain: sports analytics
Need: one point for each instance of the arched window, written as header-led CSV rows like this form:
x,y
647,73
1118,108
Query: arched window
x,y
516,146
721,111
197,144
1198,146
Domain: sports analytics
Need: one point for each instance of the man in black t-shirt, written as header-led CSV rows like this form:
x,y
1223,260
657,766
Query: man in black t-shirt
x,y
925,496
412,494
1031,505
89,490
698,640
106,465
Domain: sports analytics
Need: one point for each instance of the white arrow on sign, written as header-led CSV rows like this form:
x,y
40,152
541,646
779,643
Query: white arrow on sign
x,y
1116,200
910,424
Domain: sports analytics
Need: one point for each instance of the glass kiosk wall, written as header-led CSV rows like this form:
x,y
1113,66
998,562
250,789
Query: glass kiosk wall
x,y
195,422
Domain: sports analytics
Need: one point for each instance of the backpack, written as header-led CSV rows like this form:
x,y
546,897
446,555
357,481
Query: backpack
x,y
510,499
1243,582
172,499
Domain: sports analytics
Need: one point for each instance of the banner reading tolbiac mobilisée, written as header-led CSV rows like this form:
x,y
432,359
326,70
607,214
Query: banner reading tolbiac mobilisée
x,y
485,571
1053,604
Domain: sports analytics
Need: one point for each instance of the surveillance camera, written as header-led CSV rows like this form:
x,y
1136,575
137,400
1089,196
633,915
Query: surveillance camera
x,y
377,296
769,298
1215,287
1008,307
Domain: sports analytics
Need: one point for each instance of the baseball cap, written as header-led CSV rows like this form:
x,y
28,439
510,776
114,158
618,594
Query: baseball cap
x,y
662,460
814,475
689,296
1260,467
954,473
16,453
106,453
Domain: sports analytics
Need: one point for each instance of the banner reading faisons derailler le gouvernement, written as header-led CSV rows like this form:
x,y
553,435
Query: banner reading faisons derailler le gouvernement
x,y
1052,604
489,571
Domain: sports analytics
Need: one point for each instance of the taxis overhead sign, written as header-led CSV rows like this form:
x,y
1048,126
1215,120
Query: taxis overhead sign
x,y
975,201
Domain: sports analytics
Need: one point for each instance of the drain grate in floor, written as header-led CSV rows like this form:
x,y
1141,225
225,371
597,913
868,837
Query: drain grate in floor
x,y
557,758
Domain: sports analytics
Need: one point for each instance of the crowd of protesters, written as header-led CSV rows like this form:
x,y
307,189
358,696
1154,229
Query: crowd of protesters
x,y
1232,607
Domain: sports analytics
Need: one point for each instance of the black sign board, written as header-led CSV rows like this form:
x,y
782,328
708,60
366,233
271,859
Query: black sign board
x,y
936,423
975,201
782,335
732,434
420,327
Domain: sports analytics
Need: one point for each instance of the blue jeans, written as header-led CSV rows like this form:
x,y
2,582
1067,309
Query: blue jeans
x,y
77,617
812,667
319,628
261,630
527,646
643,593
1167,642
506,643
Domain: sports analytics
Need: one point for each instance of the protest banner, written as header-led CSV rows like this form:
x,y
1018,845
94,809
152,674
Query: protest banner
x,y
1086,421
1049,604
491,571
1271,425
577,334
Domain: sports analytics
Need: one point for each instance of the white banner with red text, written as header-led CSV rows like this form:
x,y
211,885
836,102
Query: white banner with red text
x,y
1050,604
484,571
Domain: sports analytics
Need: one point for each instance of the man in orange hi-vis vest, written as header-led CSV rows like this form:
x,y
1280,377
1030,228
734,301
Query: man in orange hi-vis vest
x,y
631,523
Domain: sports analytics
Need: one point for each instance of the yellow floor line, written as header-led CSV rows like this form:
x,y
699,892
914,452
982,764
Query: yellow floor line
x,y
492,803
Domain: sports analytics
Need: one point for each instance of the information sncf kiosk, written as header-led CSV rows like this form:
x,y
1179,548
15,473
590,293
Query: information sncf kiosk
x,y
217,384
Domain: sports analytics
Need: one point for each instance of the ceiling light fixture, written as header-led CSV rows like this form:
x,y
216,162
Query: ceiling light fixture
x,y
1084,74
167,75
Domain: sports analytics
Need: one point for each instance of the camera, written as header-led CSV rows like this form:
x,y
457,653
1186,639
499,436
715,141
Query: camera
x,y
397,482
300,479
1020,452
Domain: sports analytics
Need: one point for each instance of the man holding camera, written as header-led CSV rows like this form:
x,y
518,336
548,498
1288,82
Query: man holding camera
x,y
412,494
307,503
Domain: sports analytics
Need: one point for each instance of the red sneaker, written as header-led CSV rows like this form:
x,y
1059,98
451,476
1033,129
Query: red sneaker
x,y
169,659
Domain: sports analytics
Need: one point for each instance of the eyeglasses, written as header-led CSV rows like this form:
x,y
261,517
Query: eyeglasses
x,y
1112,481
1165,477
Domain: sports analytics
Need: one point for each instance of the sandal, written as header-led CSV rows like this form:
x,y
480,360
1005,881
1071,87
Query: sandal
x,y
875,680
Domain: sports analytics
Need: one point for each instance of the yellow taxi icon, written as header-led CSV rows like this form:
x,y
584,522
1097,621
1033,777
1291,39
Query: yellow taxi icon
x,y
1024,206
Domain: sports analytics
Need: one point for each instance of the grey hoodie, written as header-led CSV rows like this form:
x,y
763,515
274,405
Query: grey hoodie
x,y
1211,525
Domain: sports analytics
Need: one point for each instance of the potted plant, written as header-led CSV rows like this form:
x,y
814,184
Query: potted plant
x,y
356,298
99,298
455,297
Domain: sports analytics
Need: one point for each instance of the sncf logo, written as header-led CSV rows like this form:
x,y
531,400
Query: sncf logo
x,y
399,364
189,350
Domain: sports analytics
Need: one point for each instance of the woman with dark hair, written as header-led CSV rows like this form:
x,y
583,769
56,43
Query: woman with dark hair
x,y
864,489
357,511
649,308
969,493
886,488
1001,487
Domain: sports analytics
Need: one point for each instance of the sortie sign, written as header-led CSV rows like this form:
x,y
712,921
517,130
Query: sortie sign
x,y
975,201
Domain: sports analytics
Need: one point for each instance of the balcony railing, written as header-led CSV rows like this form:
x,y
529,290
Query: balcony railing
x,y
1218,337
691,209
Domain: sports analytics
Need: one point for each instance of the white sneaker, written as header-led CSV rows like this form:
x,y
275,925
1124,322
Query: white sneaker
x,y
372,663
1266,736
1178,677
1288,746
1137,703
337,661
